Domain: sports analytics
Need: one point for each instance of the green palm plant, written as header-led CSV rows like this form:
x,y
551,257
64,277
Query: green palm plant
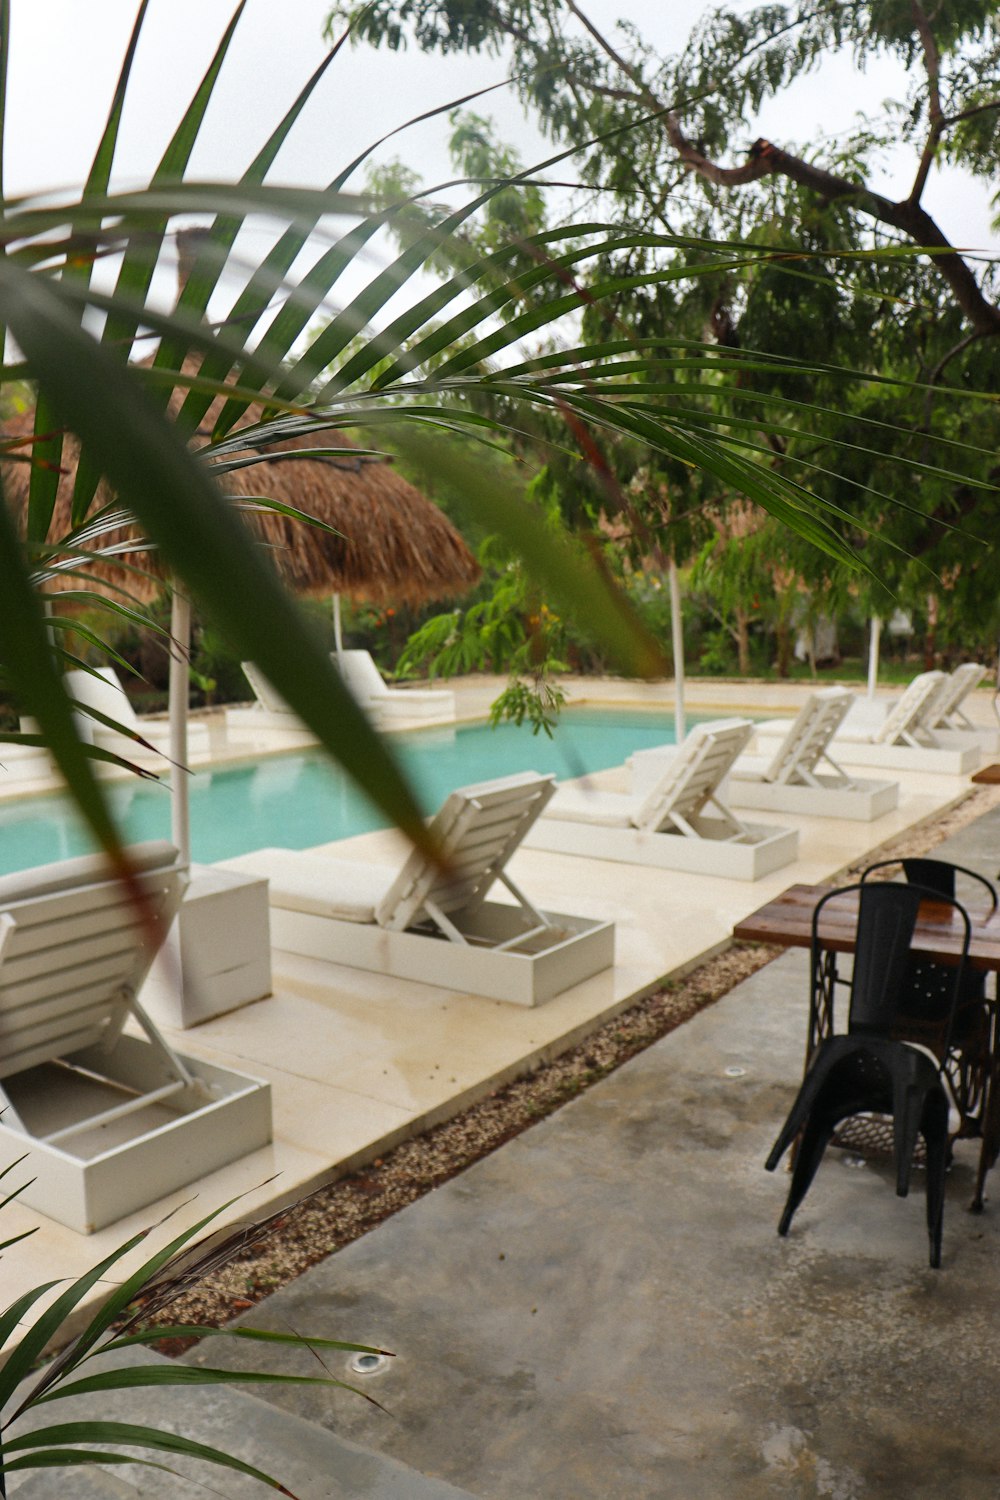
x,y
31,1434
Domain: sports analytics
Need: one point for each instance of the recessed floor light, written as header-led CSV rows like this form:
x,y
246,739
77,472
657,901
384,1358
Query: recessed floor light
x,y
369,1364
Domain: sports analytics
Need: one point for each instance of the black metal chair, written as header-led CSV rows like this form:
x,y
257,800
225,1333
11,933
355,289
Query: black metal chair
x,y
968,1058
868,1069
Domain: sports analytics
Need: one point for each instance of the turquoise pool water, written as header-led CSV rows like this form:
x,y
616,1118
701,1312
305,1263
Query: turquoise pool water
x,y
295,801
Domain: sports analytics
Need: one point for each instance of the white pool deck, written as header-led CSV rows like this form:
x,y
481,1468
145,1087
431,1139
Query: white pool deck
x,y
358,1062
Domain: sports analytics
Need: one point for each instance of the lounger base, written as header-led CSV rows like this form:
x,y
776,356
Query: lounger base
x,y
710,854
401,707
248,724
862,803
957,761
576,949
91,1179
986,741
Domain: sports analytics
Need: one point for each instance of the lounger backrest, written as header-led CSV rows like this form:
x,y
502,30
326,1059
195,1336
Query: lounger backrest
x,y
477,829
961,683
262,689
810,733
73,951
912,710
702,761
104,692
361,675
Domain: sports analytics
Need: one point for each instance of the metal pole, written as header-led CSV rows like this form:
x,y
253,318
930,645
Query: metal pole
x,y
338,639
677,635
873,648
180,656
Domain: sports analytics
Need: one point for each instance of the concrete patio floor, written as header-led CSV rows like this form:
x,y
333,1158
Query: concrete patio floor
x,y
603,1308
358,1062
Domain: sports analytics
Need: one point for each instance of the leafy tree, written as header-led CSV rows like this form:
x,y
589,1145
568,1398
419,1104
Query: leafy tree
x,y
698,104
861,445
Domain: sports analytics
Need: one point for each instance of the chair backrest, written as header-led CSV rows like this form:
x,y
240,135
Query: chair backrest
x,y
882,974
962,681
262,689
934,875
361,675
104,693
73,952
810,733
910,714
477,830
694,773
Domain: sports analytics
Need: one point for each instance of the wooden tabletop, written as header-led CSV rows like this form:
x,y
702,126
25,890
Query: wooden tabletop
x,y
787,922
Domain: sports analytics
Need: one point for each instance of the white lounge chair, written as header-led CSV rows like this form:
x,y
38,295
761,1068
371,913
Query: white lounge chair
x,y
104,693
107,1121
268,716
790,780
433,922
392,706
948,712
901,741
21,763
670,826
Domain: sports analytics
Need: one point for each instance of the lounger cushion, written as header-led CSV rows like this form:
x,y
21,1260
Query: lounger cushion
x,y
65,874
603,809
342,889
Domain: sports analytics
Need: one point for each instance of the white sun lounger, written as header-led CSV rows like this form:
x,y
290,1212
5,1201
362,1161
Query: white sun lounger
x,y
435,924
392,706
670,826
105,693
23,763
269,715
962,681
791,779
901,741
108,1121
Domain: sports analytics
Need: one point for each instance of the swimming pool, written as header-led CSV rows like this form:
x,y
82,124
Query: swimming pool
x,y
298,800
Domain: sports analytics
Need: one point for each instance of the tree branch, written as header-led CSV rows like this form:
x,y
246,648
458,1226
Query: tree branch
x,y
765,159
932,66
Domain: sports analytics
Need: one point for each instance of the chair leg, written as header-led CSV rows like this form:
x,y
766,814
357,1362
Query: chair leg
x,y
812,1144
936,1145
910,1103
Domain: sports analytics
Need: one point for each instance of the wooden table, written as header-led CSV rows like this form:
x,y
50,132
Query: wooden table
x,y
787,922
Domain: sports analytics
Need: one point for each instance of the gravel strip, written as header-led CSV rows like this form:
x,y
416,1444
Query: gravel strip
x,y
348,1208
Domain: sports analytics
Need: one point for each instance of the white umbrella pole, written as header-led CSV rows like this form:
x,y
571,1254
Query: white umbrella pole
x,y
873,649
180,656
338,639
677,635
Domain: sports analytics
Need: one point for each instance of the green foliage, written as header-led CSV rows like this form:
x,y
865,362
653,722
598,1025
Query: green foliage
x,y
538,702
118,1325
823,306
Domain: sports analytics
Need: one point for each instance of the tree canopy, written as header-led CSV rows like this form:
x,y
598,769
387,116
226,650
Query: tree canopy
x,y
913,328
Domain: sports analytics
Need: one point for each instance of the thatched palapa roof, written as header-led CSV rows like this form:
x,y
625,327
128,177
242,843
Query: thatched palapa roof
x,y
394,546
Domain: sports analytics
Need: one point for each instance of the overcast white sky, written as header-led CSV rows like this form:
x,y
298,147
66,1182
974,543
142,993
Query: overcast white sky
x,y
65,58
